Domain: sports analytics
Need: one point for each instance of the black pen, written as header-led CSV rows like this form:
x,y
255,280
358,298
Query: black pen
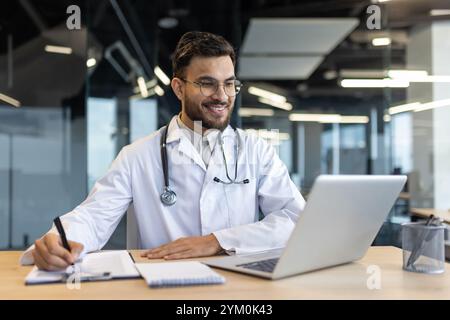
x,y
62,234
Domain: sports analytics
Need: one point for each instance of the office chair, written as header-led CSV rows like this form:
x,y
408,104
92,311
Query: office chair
x,y
133,240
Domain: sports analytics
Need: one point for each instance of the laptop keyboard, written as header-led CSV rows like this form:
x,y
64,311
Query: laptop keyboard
x,y
263,265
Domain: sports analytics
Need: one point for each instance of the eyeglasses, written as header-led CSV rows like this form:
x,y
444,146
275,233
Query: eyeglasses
x,y
210,87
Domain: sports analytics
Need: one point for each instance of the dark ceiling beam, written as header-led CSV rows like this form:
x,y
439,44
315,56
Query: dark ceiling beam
x,y
100,12
148,38
34,15
132,37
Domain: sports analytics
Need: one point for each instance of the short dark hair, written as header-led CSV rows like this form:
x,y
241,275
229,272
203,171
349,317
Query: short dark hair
x,y
199,44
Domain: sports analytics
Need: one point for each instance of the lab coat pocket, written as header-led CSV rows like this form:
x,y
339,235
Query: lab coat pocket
x,y
241,202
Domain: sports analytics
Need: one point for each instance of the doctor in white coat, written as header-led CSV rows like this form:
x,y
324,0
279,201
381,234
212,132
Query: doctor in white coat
x,y
222,177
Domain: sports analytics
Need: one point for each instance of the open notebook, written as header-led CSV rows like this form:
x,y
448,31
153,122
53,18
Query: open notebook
x,y
96,266
170,274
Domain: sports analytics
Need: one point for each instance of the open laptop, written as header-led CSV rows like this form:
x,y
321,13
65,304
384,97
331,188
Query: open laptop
x,y
342,216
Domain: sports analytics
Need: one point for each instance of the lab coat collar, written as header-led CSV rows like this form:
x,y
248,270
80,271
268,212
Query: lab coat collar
x,y
175,133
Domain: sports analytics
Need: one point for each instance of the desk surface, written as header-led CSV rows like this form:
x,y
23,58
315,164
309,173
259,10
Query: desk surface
x,y
426,212
342,282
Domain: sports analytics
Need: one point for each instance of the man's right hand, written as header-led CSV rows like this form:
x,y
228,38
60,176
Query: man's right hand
x,y
49,253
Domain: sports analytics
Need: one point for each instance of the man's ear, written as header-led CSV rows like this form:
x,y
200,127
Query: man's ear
x,y
177,87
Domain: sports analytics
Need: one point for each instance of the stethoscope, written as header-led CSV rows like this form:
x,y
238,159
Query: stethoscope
x,y
168,196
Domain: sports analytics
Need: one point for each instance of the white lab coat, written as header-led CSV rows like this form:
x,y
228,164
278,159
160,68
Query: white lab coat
x,y
230,212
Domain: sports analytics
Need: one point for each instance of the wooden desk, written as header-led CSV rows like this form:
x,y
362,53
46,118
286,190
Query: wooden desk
x,y
426,212
342,282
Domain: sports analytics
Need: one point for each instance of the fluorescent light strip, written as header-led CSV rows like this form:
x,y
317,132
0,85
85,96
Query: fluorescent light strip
x,y
11,101
407,74
374,83
266,94
361,73
151,92
327,118
311,117
348,119
433,105
269,134
249,112
439,12
387,118
159,91
377,42
417,106
432,79
282,105
58,49
161,76
142,87
403,108
149,84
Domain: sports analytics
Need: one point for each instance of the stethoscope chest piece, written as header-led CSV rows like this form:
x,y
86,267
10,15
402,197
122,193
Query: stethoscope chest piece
x,y
168,197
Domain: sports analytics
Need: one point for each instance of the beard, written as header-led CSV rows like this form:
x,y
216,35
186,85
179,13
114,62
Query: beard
x,y
197,112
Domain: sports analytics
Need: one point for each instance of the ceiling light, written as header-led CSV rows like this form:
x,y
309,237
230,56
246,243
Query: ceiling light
x,y
347,119
167,22
327,118
408,75
142,87
311,117
162,76
269,134
385,41
58,49
159,91
403,108
374,83
432,79
91,62
440,12
330,75
266,94
282,105
433,105
249,112
11,101
362,73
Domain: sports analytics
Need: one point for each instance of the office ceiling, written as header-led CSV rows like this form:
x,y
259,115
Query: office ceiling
x,y
318,37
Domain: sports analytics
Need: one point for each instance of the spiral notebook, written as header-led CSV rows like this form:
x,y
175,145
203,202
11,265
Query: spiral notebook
x,y
171,274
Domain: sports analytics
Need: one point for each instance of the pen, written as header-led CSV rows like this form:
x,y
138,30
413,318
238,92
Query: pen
x,y
417,250
62,234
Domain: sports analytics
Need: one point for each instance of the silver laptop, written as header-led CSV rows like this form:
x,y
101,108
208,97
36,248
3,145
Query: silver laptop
x,y
342,217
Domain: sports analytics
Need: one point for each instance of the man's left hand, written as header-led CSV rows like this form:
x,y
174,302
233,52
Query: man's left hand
x,y
183,248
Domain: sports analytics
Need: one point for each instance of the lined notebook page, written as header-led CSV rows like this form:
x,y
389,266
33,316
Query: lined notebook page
x,y
118,263
168,274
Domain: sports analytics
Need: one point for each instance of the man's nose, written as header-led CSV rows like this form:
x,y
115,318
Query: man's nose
x,y
220,93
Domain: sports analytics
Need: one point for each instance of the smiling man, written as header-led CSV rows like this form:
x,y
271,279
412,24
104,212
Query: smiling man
x,y
198,186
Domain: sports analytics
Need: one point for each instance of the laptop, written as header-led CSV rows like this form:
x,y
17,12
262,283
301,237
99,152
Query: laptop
x,y
342,217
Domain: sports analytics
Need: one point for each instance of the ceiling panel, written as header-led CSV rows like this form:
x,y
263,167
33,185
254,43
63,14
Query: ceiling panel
x,y
278,68
296,36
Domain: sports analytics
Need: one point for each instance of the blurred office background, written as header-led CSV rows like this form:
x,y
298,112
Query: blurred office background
x,y
338,86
